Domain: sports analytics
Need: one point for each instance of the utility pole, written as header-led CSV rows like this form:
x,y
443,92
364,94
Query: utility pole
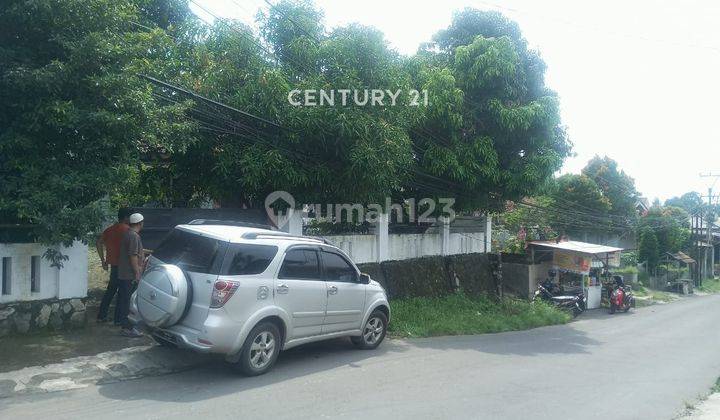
x,y
709,254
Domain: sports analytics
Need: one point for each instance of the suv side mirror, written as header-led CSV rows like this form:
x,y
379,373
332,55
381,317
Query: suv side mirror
x,y
364,278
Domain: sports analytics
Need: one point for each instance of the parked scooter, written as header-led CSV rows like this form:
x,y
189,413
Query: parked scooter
x,y
575,304
621,297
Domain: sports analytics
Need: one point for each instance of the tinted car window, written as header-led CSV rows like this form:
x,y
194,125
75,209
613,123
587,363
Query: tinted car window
x,y
300,264
190,252
246,259
337,268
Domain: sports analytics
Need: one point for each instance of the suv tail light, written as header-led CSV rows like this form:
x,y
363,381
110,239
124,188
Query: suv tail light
x,y
222,292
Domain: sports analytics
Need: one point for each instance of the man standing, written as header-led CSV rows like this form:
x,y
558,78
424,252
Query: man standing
x,y
108,248
132,257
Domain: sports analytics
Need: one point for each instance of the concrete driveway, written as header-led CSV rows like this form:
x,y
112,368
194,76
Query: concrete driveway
x,y
643,365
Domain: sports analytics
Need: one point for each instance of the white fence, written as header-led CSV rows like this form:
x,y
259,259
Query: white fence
x,y
364,248
384,246
17,272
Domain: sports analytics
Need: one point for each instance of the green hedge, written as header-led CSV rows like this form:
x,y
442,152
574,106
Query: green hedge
x,y
626,270
433,276
474,273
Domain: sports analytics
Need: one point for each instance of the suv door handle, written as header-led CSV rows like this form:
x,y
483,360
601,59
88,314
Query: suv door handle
x,y
283,289
332,290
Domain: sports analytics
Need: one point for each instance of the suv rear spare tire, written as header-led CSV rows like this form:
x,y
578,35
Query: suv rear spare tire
x,y
163,295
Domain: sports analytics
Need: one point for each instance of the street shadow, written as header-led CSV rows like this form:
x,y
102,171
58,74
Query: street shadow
x,y
214,373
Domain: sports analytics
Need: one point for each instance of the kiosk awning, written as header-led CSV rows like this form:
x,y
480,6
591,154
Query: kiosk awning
x,y
576,246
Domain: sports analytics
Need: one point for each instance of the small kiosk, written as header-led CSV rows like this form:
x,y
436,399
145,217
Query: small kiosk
x,y
579,265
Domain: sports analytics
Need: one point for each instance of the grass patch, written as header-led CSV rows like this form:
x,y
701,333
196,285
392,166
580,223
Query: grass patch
x,y
710,286
716,387
460,314
656,295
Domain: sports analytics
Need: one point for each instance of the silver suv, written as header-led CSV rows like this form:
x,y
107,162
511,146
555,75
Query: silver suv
x,y
248,293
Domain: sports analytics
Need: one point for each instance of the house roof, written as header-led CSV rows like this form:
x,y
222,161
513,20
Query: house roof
x,y
683,257
577,246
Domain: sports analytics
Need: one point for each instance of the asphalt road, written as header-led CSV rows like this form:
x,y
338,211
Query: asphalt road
x,y
643,365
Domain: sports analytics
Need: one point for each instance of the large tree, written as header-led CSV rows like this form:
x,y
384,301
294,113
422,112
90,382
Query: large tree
x,y
490,132
649,250
580,205
75,120
78,124
671,226
492,128
616,185
318,153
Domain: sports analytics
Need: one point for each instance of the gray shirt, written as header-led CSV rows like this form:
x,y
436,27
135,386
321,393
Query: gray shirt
x,y
131,245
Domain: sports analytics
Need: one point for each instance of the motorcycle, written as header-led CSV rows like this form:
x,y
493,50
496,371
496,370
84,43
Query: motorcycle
x,y
621,299
575,304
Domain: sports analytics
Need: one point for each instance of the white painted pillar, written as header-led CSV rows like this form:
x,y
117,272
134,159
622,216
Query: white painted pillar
x,y
382,237
488,233
73,277
294,226
444,236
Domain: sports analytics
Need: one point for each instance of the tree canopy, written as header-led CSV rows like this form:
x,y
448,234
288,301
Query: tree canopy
x,y
617,186
79,126
75,121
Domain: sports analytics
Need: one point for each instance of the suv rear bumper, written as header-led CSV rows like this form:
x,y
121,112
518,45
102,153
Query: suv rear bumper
x,y
181,339
217,338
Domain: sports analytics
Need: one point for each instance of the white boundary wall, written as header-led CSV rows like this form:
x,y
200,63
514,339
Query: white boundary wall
x,y
383,246
363,248
68,282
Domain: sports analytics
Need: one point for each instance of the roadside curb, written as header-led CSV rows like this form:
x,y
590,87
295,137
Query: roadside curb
x,y
707,409
103,368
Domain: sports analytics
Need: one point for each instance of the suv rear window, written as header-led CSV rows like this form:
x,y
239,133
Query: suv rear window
x,y
247,259
190,252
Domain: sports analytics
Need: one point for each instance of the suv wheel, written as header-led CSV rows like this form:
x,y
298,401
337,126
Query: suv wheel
x,y
373,332
260,350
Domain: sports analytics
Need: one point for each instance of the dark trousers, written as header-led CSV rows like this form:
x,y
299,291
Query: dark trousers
x,y
107,298
125,289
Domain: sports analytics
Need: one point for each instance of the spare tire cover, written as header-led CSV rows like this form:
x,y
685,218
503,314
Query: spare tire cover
x,y
162,295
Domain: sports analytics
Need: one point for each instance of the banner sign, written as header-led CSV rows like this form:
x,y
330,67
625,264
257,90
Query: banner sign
x,y
571,262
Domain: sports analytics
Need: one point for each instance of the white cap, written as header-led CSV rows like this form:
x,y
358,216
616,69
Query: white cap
x,y
136,218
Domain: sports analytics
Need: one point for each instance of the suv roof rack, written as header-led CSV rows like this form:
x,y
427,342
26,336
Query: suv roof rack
x,y
283,235
229,223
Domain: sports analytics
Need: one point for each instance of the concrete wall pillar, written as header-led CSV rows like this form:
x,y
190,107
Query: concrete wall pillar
x,y
444,236
73,277
488,233
382,239
294,225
